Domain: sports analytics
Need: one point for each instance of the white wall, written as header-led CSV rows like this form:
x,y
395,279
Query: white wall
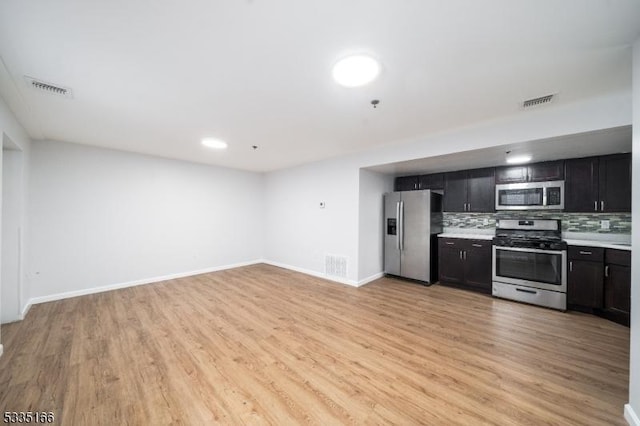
x,y
372,186
11,285
102,219
299,234
632,410
11,130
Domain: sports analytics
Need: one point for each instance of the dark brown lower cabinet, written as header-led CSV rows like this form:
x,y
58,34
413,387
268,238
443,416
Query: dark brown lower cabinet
x,y
465,263
617,286
585,283
450,266
599,281
585,277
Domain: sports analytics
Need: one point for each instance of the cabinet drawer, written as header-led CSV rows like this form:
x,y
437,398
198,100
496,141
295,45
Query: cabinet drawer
x,y
452,242
479,244
618,257
593,254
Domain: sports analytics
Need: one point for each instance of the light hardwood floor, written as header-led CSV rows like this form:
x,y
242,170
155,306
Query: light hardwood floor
x,y
263,345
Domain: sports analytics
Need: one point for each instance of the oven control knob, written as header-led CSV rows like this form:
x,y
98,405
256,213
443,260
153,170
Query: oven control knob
x,y
542,245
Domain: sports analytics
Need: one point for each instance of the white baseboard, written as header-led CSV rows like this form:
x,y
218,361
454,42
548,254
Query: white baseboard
x,y
346,281
94,290
25,310
370,279
313,273
630,415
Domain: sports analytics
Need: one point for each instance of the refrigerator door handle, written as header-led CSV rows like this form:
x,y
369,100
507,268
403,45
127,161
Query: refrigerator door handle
x,y
401,226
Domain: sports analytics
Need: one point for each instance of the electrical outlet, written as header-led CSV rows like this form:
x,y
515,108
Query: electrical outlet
x,y
604,224
485,221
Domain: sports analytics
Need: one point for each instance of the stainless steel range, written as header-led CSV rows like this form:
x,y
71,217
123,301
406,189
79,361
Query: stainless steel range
x,y
530,262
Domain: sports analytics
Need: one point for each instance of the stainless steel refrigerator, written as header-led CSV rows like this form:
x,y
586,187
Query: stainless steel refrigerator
x,y
412,221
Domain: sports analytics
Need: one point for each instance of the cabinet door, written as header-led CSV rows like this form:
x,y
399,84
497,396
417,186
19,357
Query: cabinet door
x,y
511,174
432,181
477,265
450,261
581,185
617,289
585,284
615,183
455,191
481,190
406,183
549,170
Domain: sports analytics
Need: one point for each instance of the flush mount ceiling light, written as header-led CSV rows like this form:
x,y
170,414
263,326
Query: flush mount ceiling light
x,y
214,143
357,70
518,159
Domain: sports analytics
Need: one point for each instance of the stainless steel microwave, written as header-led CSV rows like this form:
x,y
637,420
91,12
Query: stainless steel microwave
x,y
530,196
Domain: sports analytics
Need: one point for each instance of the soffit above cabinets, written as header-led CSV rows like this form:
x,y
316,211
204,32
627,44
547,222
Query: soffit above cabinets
x,y
601,142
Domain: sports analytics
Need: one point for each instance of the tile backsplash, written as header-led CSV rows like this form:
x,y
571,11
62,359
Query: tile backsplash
x,y
619,223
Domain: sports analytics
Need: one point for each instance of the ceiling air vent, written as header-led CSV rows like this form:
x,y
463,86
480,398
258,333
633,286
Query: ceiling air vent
x,y
538,101
48,87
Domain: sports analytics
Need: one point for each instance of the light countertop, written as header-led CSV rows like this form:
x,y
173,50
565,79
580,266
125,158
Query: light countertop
x,y
612,241
468,236
603,244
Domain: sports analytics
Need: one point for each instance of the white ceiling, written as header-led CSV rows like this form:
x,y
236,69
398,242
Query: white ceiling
x,y
157,76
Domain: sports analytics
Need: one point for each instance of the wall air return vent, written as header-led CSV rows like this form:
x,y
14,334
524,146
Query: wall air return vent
x,y
335,265
538,101
52,89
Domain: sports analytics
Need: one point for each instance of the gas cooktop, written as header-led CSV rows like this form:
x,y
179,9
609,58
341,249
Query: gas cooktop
x,y
529,234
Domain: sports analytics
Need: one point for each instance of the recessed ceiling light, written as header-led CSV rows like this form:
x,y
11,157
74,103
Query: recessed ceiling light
x,y
214,143
357,70
518,159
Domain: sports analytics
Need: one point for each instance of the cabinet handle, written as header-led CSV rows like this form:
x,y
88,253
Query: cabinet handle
x,y
585,252
449,243
464,254
595,206
526,291
460,253
601,206
570,266
476,245
606,271
468,207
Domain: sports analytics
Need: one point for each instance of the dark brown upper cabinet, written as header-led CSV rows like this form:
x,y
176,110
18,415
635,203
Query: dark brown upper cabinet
x,y
537,172
598,184
413,183
615,183
470,191
406,183
432,181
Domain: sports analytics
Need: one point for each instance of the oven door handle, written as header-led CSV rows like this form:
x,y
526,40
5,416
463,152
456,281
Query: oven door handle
x,y
529,250
522,290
